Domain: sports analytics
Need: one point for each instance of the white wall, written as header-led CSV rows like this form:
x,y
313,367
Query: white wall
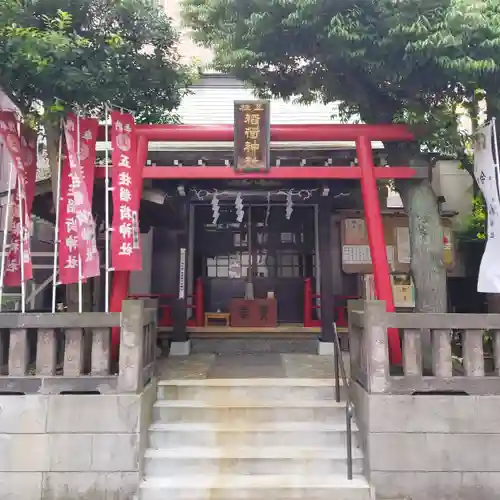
x,y
188,49
455,185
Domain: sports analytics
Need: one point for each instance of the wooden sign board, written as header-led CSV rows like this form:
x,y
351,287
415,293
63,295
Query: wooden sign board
x,y
356,258
403,289
252,136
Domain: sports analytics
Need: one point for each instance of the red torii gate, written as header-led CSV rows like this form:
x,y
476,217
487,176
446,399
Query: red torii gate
x,y
366,172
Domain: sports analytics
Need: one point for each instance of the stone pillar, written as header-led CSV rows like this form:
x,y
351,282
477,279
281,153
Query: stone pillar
x,y
130,378
376,345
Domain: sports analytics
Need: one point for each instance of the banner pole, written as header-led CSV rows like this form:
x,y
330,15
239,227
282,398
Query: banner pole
x,y
106,210
58,210
6,223
495,142
21,240
80,281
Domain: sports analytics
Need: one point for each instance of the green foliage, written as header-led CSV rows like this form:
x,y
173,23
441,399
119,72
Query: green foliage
x,y
475,227
416,62
346,50
83,53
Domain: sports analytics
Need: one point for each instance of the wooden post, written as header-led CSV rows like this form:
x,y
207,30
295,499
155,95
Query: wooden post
x,y
307,302
376,344
326,275
130,377
200,302
179,305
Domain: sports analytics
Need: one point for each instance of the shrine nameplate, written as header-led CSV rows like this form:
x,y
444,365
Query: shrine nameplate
x,y
254,313
252,136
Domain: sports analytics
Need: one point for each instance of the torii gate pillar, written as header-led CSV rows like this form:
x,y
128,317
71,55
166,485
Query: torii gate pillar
x,y
375,229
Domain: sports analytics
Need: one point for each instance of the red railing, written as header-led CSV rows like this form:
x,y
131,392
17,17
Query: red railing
x,y
312,301
165,316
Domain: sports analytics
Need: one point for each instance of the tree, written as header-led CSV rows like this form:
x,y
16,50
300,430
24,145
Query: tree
x,y
57,55
362,54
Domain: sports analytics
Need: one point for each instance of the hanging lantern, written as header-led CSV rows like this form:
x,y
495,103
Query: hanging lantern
x,y
289,205
215,209
268,209
238,203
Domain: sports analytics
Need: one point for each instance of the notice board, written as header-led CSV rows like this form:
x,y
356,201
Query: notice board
x,y
356,258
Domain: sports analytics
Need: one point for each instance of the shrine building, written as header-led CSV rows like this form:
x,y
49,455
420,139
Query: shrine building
x,y
275,247
289,233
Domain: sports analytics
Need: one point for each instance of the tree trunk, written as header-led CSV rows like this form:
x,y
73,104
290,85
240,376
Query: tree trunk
x,y
426,231
426,240
426,243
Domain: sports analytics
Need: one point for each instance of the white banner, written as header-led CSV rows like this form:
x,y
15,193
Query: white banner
x,y
486,172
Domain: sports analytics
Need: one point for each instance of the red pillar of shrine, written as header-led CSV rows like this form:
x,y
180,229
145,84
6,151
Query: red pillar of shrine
x,y
121,279
375,229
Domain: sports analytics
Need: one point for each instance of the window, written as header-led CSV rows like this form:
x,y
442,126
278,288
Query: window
x,y
231,266
289,264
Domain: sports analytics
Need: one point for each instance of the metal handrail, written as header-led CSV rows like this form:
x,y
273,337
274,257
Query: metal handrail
x,y
340,371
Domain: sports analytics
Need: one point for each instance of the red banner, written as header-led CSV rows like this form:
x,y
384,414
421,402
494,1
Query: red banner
x,y
78,247
127,176
23,155
88,138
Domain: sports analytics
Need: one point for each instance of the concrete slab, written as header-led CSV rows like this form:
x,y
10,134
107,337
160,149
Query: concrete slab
x,y
20,485
94,413
180,348
250,487
88,485
257,365
23,414
326,348
247,366
24,453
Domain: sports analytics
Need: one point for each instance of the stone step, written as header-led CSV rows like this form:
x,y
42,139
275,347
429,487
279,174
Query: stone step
x,y
249,412
249,460
253,343
286,433
230,390
256,487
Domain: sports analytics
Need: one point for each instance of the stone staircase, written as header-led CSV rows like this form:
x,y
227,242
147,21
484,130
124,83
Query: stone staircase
x,y
250,439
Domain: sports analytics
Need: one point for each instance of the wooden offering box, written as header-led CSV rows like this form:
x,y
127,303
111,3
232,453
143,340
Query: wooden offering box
x,y
254,313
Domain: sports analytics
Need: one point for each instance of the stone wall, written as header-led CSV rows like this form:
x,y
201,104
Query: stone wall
x,y
430,447
433,433
73,447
